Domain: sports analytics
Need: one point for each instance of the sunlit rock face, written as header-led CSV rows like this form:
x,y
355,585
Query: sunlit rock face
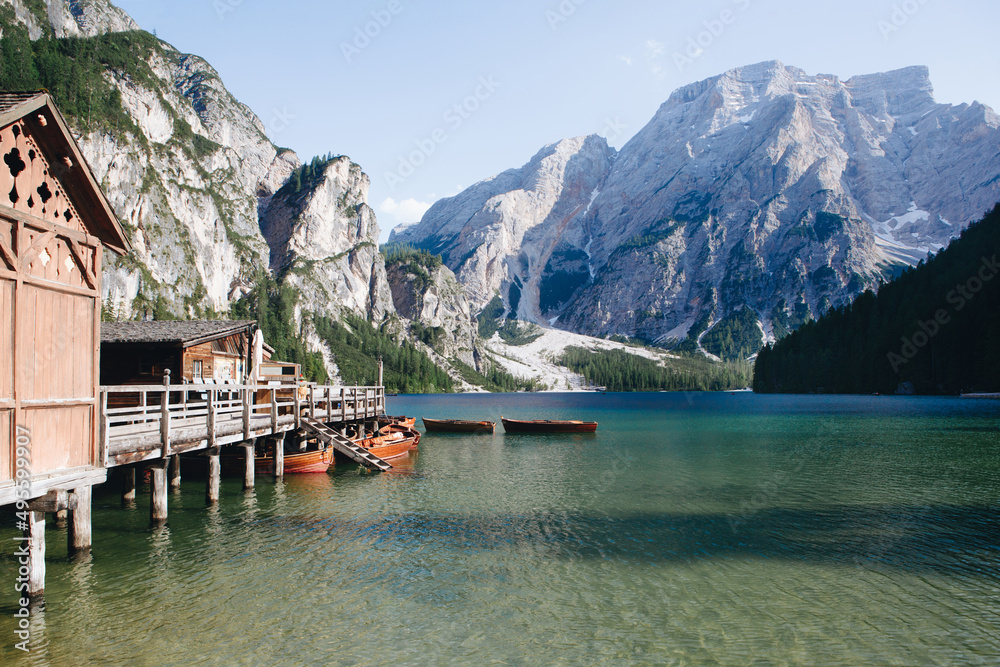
x,y
764,187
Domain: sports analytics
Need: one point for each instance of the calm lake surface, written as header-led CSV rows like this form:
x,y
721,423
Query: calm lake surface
x,y
690,530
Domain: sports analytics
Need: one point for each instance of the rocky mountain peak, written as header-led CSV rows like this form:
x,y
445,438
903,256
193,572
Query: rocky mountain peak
x,y
501,235
903,93
323,237
764,187
71,18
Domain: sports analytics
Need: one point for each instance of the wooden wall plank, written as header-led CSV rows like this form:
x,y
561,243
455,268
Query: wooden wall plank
x,y
56,332
58,437
7,437
6,339
25,343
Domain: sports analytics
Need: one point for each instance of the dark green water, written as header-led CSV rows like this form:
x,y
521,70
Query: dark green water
x,y
702,530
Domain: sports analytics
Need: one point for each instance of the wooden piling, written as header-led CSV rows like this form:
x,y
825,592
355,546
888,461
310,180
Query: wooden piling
x,y
62,517
158,498
175,472
214,476
36,553
279,457
128,485
81,535
248,465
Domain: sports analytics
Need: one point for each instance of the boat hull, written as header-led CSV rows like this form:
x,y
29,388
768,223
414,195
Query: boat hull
x,y
312,462
548,426
392,444
458,426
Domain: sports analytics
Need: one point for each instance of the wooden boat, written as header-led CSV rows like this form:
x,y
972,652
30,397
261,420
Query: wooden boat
x,y
385,420
548,426
458,426
313,461
390,445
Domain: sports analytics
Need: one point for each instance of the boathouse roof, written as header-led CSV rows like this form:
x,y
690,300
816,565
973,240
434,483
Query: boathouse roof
x,y
66,162
185,333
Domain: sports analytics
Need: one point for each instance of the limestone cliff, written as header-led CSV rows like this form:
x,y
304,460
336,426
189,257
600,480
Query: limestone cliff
x,y
764,187
323,237
432,299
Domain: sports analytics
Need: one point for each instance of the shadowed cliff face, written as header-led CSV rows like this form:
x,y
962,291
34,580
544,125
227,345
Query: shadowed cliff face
x,y
434,301
763,187
521,230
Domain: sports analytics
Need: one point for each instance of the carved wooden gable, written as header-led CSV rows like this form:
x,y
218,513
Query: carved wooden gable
x,y
30,184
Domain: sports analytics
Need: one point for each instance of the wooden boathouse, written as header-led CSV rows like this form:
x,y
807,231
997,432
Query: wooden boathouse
x,y
197,387
55,224
190,351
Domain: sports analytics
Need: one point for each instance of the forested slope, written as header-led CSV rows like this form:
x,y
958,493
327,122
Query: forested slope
x,y
935,330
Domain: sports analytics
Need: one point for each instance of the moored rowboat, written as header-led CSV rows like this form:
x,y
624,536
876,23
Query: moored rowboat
x,y
548,426
392,442
314,461
458,426
385,420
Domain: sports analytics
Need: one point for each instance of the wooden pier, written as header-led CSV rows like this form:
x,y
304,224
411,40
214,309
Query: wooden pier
x,y
179,419
60,429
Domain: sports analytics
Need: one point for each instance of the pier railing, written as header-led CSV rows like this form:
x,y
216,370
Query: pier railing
x,y
147,422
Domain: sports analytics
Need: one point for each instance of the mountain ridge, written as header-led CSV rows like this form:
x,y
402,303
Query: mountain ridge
x,y
762,187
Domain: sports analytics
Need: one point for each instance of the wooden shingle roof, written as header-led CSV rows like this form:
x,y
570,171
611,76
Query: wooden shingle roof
x,y
9,101
183,332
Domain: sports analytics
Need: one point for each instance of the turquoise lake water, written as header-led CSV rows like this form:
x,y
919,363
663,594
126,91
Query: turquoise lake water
x,y
708,529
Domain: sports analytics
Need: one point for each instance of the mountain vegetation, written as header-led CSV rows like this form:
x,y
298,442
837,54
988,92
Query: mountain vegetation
x,y
273,306
934,330
494,378
618,370
737,336
73,71
414,261
357,346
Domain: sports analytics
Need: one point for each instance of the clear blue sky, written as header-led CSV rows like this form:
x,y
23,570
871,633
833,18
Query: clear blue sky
x,y
525,73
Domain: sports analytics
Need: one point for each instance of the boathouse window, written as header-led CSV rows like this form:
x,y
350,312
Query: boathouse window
x,y
197,370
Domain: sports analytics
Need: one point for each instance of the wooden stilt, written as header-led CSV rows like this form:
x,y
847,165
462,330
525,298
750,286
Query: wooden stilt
x,y
158,498
248,469
214,476
81,536
62,516
279,457
36,553
128,485
175,472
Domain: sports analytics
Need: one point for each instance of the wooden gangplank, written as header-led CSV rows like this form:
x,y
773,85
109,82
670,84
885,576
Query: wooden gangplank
x,y
345,445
